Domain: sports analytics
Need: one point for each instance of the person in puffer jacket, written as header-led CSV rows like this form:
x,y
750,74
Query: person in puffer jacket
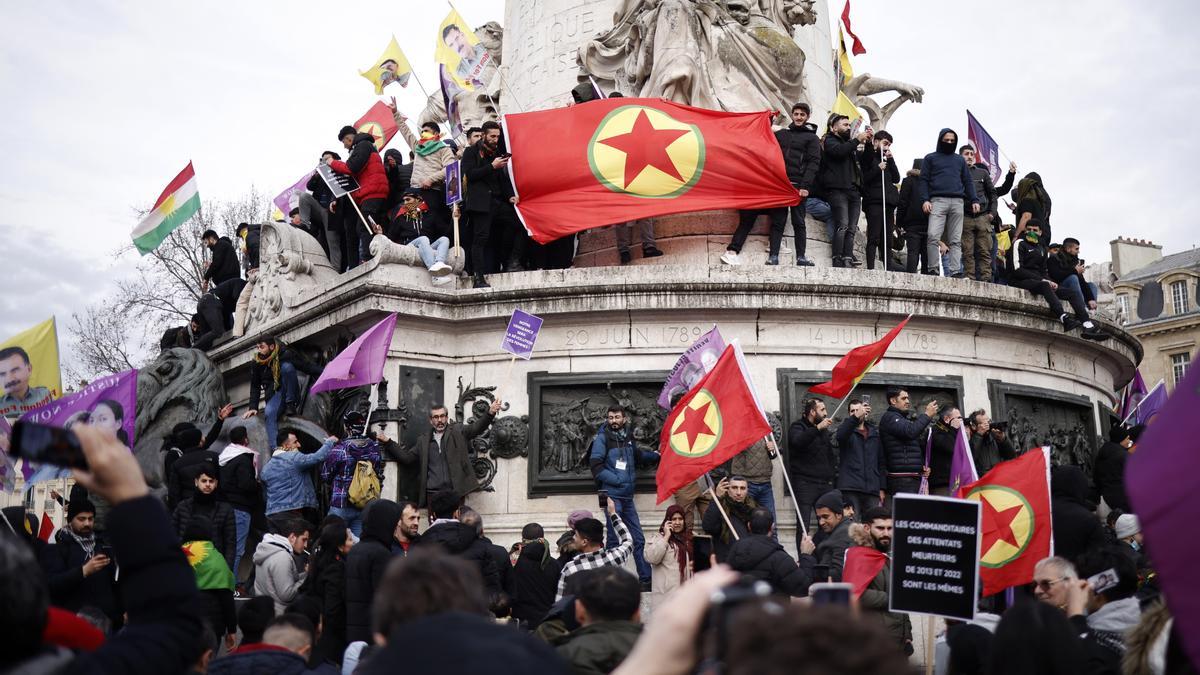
x,y
367,168
761,557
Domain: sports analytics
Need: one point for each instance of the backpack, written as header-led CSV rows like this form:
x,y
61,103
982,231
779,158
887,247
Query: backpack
x,y
364,486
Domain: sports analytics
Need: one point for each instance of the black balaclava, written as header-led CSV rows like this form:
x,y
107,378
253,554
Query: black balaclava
x,y
944,147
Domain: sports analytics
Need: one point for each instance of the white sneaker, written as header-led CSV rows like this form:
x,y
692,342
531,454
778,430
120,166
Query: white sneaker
x,y
442,280
440,269
730,258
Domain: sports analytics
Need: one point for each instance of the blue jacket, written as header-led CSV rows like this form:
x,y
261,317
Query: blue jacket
x,y
287,481
605,462
945,175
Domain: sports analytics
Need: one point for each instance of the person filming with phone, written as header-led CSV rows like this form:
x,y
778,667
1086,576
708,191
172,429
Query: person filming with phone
x,y
79,566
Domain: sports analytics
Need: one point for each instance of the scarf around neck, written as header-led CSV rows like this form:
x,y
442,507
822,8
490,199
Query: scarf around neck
x,y
88,544
428,146
271,360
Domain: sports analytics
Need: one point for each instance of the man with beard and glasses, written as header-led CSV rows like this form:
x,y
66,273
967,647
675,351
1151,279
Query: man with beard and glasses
x,y
79,566
442,455
945,188
877,522
489,200
614,462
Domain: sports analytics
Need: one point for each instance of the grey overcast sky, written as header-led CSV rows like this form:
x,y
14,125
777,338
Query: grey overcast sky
x,y
106,101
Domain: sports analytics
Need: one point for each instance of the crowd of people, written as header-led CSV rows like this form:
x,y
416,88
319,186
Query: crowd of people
x,y
944,217
301,565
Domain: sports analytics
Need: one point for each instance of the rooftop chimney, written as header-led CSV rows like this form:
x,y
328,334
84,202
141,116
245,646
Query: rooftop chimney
x,y
1132,254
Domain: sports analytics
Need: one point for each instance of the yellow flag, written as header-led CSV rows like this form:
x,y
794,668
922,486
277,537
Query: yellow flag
x,y
459,52
391,67
1003,240
843,106
29,374
844,66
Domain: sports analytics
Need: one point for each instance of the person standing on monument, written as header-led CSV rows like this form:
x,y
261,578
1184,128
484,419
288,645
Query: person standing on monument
x,y
977,226
442,454
879,196
489,200
365,165
946,190
913,222
841,181
614,461
801,158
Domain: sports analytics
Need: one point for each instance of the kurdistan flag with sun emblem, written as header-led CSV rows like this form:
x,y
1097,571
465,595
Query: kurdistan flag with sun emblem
x,y
1015,522
179,201
212,572
620,159
717,419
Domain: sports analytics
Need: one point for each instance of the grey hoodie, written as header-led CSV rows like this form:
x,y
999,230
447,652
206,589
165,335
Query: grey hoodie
x,y
1113,621
276,575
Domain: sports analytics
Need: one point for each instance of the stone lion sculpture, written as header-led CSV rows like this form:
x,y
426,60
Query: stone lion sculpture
x,y
181,385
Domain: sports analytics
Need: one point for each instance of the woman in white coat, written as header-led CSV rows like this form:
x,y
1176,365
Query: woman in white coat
x,y
669,553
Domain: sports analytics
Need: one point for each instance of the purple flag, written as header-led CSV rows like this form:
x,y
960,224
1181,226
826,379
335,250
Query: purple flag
x,y
1152,403
962,464
1157,479
284,201
986,149
693,365
109,402
1132,395
360,363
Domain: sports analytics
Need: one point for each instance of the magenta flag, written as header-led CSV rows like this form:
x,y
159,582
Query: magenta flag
x,y
962,464
692,366
986,149
1152,403
287,200
1159,479
360,363
1132,395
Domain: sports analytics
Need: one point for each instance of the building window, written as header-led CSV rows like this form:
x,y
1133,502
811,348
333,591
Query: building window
x,y
1179,365
1179,296
1123,306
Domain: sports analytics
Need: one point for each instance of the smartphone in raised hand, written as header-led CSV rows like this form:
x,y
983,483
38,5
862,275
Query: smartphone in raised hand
x,y
43,444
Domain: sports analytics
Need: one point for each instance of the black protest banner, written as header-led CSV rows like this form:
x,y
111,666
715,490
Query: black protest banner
x,y
935,556
341,184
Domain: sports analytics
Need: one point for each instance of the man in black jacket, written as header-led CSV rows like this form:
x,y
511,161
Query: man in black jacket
x,y
273,374
239,487
459,539
180,474
812,465
1033,275
158,587
913,222
801,159
861,466
946,428
902,439
489,200
989,445
224,263
214,312
760,556
365,565
977,226
733,494
499,555
335,210
219,514
441,456
1066,269
879,196
535,577
841,182
79,566
1109,474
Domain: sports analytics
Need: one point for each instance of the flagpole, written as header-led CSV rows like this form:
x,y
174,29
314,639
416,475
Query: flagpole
x,y
776,455
843,401
419,83
717,503
1139,405
886,253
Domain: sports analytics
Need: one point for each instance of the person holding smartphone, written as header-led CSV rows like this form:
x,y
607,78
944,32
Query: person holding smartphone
x,y
79,566
670,554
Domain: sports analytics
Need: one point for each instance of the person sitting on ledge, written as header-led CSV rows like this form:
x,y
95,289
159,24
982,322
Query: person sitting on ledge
x,y
1033,275
412,225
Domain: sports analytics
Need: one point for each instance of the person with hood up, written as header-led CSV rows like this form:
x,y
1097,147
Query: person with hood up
x,y
428,174
913,222
205,506
411,224
213,579
1111,613
841,181
670,555
189,453
365,564
1033,203
239,485
224,264
399,176
276,570
364,164
535,577
1109,473
1075,525
759,556
801,158
459,539
945,189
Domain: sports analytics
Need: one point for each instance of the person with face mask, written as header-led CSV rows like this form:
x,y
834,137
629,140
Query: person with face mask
x,y
841,179
433,155
1033,275
946,190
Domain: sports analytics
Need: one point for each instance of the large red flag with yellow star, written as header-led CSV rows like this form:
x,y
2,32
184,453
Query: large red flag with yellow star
x,y
716,420
620,159
1016,529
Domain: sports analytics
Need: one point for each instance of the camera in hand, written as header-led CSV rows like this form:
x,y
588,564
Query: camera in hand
x,y
44,444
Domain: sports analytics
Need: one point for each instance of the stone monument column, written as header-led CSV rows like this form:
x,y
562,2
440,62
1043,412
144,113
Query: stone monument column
x,y
541,40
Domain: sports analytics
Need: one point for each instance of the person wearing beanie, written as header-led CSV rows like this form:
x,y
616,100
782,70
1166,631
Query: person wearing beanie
x,y
224,264
589,541
831,552
943,189
193,454
1109,472
576,516
78,566
366,166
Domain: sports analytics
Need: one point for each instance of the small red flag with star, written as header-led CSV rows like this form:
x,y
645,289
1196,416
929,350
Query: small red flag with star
x,y
1015,525
856,364
717,419
621,159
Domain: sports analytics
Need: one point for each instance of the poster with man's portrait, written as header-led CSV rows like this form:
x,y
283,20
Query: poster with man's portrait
x,y
29,372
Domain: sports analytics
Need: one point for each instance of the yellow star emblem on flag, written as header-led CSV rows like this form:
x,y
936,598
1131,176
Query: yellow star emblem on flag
x,y
644,152
1008,524
697,428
